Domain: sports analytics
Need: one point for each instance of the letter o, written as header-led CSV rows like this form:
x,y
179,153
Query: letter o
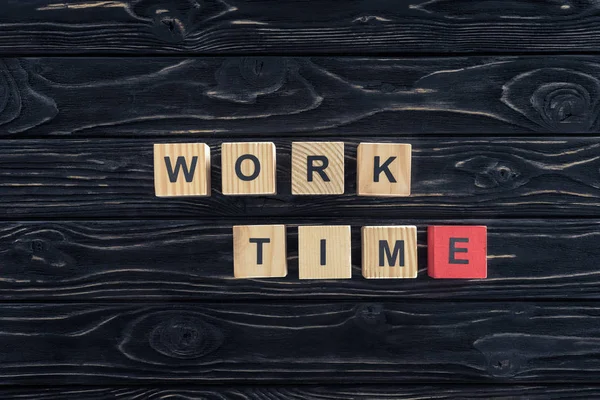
x,y
238,167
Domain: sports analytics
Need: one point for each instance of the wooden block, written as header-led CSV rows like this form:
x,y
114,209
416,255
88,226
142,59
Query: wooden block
x,y
248,168
458,252
384,169
259,251
389,252
317,168
181,169
324,252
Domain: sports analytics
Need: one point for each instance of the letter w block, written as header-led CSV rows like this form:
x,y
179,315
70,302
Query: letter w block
x,y
181,169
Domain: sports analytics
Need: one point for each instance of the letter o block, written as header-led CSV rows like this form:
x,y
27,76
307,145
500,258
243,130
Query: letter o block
x,y
389,252
317,168
457,252
384,169
248,168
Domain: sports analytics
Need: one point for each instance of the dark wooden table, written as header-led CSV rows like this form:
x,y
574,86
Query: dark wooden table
x,y
109,292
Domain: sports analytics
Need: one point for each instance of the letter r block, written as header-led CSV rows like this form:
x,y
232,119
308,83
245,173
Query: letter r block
x,y
458,252
317,168
259,251
248,168
181,169
384,169
389,252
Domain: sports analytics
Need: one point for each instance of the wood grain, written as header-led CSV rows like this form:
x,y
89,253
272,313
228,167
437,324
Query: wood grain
x,y
333,392
238,26
376,264
300,343
193,260
255,97
452,178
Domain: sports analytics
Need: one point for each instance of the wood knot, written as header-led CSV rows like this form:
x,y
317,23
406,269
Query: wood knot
x,y
185,337
170,338
558,99
242,80
503,364
490,172
371,317
174,20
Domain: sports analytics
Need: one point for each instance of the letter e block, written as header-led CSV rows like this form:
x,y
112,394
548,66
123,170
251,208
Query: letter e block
x,y
324,252
259,251
181,169
389,252
248,168
317,168
458,252
384,169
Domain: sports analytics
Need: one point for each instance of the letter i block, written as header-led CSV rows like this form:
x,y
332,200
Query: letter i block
x,y
181,169
458,252
248,168
324,252
259,251
317,168
384,169
389,252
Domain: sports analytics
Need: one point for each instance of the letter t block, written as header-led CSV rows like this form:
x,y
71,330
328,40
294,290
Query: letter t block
x,y
457,252
259,251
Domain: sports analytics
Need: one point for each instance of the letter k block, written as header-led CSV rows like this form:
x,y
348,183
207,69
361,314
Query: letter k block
x,y
259,251
384,169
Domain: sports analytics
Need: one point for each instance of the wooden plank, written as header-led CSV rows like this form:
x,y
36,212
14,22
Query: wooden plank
x,y
452,178
290,343
333,392
237,26
285,96
193,260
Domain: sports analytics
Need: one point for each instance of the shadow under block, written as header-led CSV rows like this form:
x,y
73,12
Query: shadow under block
x,y
248,168
389,252
324,252
457,252
259,251
384,169
317,168
181,169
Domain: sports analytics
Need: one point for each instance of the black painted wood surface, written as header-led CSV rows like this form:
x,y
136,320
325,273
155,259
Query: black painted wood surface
x,y
453,178
192,260
297,27
332,392
283,342
290,96
107,292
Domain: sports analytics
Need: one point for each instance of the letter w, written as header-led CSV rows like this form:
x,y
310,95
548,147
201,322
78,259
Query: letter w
x,y
181,164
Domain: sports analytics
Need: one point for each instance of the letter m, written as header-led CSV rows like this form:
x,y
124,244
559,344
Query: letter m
x,y
385,253
181,164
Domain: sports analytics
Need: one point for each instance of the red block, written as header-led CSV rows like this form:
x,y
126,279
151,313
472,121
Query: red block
x,y
457,252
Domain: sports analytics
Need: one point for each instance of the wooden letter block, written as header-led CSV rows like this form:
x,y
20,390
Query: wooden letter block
x,y
389,252
458,252
248,168
259,251
384,169
181,169
317,168
324,252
